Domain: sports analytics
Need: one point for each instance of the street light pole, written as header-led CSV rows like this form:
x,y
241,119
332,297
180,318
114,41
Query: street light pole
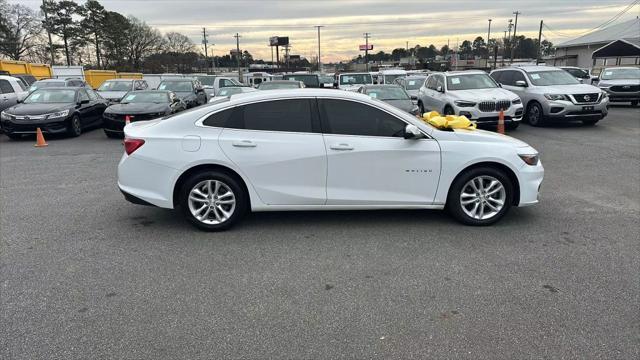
x,y
237,36
488,37
319,62
366,51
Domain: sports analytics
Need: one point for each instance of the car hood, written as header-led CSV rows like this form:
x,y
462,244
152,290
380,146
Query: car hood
x,y
619,82
483,94
569,89
413,92
184,94
37,109
112,94
406,105
137,108
488,136
350,87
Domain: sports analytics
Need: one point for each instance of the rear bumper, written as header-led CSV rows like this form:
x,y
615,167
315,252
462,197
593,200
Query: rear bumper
x,y
146,181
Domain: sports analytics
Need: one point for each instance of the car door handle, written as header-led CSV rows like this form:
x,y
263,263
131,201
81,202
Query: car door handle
x,y
341,146
244,143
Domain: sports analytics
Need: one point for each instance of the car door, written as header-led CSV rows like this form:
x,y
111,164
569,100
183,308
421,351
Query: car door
x,y
370,162
278,146
8,96
99,105
439,97
427,93
86,108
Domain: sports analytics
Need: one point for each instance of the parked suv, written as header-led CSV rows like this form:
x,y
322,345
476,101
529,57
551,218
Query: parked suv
x,y
50,83
188,90
470,93
621,84
12,91
552,94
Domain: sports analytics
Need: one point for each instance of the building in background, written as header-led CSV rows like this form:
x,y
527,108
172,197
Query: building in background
x,y
580,51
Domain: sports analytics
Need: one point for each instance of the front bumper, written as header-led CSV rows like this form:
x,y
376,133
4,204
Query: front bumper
x,y
622,96
513,114
57,126
530,178
568,111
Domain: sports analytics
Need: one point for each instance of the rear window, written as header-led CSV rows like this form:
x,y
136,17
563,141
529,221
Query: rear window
x,y
308,80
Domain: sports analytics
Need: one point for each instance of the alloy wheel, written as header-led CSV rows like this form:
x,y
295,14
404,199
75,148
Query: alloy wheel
x,y
212,202
483,197
533,115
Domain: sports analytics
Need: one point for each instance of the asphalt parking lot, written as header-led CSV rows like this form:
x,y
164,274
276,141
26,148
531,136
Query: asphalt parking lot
x,y
84,272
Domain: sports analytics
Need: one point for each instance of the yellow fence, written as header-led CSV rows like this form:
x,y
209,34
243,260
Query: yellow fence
x,y
95,78
129,75
39,71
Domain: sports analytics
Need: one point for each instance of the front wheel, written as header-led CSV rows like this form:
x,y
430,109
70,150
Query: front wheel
x,y
535,116
480,196
212,200
513,125
421,107
74,128
448,110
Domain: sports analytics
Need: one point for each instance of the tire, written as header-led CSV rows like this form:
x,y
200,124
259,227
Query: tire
x,y
535,115
462,190
112,135
421,107
448,110
634,103
14,136
213,217
74,128
589,122
512,125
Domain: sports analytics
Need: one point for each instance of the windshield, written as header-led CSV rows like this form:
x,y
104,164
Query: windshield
x,y
145,97
615,74
552,77
178,86
578,73
44,96
206,80
388,93
355,79
308,80
279,85
326,79
46,84
388,79
415,84
115,86
470,81
228,91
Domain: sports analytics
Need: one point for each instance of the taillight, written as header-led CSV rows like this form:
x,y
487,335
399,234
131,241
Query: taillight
x,y
131,145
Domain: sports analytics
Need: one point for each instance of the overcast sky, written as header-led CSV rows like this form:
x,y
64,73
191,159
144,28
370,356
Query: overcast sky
x,y
391,22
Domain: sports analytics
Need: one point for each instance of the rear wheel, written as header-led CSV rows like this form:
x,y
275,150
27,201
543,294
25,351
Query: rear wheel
x,y
535,116
74,128
480,196
212,200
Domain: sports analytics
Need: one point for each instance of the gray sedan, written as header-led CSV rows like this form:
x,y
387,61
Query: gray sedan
x,y
393,95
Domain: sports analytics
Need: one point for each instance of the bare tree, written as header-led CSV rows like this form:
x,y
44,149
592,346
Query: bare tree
x,y
19,30
142,41
178,43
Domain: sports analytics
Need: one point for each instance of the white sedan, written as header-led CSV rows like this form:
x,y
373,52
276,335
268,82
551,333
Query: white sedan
x,y
317,149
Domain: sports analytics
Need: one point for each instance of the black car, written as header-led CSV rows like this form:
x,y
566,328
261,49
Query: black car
x,y
138,106
54,111
188,90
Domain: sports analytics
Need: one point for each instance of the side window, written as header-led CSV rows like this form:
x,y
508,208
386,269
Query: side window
x,y
518,76
92,95
353,118
219,119
496,76
226,83
82,95
507,78
431,83
439,81
22,85
278,115
5,87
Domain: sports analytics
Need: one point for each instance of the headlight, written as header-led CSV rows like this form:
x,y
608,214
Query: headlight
x,y
516,101
5,116
555,97
530,159
59,114
464,103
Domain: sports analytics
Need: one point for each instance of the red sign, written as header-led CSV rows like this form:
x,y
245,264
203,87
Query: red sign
x,y
364,47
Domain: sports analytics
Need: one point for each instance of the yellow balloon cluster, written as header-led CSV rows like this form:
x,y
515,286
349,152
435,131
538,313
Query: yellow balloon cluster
x,y
448,122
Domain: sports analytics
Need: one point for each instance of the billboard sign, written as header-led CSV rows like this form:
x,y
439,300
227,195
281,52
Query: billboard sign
x,y
364,47
279,40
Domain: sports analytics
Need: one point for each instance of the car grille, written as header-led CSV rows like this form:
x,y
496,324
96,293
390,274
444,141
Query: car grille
x,y
491,106
136,117
625,88
28,117
586,98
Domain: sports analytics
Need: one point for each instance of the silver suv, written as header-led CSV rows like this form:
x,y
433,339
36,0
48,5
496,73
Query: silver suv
x,y
552,94
470,93
621,83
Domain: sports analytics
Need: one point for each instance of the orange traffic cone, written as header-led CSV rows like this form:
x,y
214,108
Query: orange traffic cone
x,y
501,122
40,139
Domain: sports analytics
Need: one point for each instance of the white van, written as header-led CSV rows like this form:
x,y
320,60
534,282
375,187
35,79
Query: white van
x,y
389,76
256,78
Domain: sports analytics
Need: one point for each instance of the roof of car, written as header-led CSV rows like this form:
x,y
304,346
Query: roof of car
x,y
72,88
381,86
7,77
529,68
281,82
414,76
463,72
55,80
305,92
620,67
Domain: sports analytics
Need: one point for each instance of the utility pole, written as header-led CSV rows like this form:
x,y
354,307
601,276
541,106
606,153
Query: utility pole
x,y
515,28
46,20
366,51
538,54
509,38
237,36
319,62
488,37
206,54
504,45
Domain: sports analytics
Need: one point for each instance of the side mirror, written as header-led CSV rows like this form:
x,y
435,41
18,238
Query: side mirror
x,y
412,132
521,83
440,89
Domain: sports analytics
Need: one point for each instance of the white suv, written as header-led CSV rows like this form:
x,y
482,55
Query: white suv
x,y
472,94
552,94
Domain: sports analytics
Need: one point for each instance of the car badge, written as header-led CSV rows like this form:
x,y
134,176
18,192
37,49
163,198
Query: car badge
x,y
587,98
27,118
626,87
